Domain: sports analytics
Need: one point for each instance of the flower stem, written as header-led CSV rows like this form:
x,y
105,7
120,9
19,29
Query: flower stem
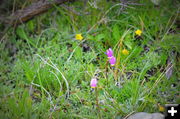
x,y
106,75
118,60
97,103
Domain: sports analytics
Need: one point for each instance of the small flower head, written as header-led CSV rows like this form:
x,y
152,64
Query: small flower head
x,y
109,53
125,52
112,61
93,83
79,37
161,108
138,32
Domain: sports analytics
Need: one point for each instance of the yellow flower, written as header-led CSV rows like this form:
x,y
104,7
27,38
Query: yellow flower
x,y
125,52
79,37
138,32
161,108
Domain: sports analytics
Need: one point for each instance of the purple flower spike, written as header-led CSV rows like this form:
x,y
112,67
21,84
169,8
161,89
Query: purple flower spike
x,y
109,53
93,83
112,61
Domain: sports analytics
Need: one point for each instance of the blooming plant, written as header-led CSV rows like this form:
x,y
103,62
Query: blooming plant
x,y
112,59
109,53
79,37
125,52
138,32
93,86
93,83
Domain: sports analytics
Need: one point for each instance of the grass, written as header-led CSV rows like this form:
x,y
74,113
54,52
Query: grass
x,y
45,72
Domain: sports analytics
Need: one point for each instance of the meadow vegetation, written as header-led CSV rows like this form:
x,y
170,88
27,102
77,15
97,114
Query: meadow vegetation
x,y
46,64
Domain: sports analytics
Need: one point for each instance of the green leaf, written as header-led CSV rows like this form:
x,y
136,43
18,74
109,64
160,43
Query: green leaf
x,y
128,41
30,25
90,37
21,33
100,37
128,44
78,53
116,33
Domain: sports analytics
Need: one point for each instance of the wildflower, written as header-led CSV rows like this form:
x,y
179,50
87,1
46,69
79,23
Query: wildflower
x,y
161,108
109,53
112,61
93,83
138,32
79,37
125,52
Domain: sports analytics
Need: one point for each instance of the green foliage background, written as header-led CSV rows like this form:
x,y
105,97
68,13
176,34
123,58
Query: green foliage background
x,y
45,72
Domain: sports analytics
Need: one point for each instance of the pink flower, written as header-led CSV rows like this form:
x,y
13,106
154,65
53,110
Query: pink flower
x,y
109,52
93,82
112,61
